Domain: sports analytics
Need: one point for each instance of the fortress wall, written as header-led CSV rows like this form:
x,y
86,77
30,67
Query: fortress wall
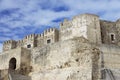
x,y
40,40
25,56
22,57
72,73
39,57
66,30
7,55
107,29
88,26
30,40
20,43
111,56
52,35
25,66
8,45
63,61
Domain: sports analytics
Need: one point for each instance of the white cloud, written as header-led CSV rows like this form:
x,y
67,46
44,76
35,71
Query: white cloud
x,y
34,15
41,12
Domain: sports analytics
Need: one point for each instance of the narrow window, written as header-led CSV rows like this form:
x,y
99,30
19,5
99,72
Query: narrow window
x,y
48,41
29,46
112,37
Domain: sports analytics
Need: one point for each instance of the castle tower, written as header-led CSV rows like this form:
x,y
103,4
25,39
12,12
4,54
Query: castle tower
x,y
40,40
30,41
84,25
51,36
65,30
88,26
10,44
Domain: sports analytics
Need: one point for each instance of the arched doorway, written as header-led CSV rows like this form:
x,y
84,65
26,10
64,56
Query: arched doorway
x,y
12,64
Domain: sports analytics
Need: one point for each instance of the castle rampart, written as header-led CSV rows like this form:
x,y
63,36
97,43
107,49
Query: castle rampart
x,y
85,48
87,25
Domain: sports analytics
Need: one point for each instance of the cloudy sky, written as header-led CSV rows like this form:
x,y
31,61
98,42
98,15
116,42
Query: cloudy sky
x,y
21,17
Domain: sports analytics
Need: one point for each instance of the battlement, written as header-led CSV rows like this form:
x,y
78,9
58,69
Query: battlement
x,y
48,31
85,48
30,36
65,22
9,41
40,35
9,44
85,15
20,41
88,14
87,25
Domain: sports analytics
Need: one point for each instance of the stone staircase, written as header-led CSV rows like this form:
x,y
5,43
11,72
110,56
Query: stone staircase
x,y
112,74
109,75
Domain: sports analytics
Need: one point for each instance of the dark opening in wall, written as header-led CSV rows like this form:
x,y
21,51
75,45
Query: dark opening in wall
x,y
112,37
29,46
48,41
12,64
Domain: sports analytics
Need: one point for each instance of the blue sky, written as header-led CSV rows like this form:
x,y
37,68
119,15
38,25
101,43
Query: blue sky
x,y
21,17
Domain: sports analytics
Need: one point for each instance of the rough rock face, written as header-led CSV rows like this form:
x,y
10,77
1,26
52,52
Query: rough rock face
x,y
68,60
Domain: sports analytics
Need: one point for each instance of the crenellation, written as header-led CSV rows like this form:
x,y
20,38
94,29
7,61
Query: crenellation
x,y
9,44
20,43
84,48
87,25
50,36
65,24
30,36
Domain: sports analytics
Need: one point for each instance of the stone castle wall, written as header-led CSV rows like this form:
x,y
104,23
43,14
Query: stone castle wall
x,y
64,60
85,48
87,25
34,40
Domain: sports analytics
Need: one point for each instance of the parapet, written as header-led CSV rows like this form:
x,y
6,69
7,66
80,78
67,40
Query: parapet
x,y
9,41
65,24
40,35
48,31
66,21
9,44
108,24
85,15
20,42
30,36
105,21
88,14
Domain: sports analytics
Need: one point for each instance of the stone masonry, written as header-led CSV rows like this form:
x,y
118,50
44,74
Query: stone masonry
x,y
84,48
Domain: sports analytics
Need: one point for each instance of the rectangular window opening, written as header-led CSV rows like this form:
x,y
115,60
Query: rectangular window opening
x,y
112,37
48,41
29,46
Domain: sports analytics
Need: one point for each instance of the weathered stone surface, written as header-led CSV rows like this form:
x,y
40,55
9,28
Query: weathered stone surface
x,y
85,48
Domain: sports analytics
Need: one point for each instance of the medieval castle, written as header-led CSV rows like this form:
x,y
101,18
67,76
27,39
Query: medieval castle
x,y
84,48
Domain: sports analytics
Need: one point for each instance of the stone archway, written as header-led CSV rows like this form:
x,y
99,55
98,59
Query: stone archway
x,y
12,64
